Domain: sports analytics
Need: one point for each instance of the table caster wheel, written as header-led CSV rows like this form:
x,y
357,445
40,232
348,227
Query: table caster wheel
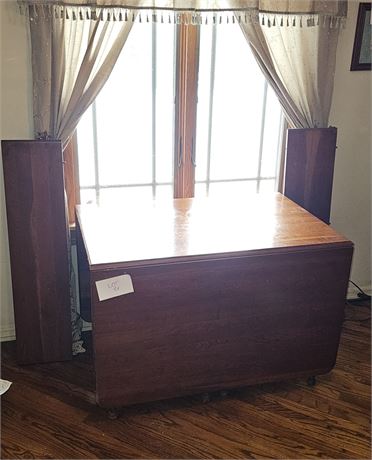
x,y
205,397
112,414
311,381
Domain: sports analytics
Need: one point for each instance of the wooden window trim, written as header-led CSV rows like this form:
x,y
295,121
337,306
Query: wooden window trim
x,y
71,177
185,110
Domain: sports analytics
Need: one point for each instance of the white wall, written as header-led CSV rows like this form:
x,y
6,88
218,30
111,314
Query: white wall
x,y
15,123
351,114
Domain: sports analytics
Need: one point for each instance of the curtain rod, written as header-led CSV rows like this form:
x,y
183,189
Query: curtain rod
x,y
249,5
39,10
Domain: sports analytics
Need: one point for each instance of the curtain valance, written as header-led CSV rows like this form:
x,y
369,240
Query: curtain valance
x,y
288,12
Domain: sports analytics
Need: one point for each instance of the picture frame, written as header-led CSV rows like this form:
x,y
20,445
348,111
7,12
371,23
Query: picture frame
x,y
361,57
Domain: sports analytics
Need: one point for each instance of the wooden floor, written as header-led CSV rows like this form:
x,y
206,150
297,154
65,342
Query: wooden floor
x,y
49,412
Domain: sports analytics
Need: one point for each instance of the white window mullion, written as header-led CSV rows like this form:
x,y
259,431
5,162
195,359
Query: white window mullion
x,y
211,95
95,151
262,133
153,81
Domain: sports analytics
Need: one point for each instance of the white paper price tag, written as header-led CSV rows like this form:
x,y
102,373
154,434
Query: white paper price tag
x,y
114,287
4,386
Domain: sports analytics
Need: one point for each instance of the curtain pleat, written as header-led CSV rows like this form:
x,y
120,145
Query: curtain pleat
x,y
257,42
71,62
299,63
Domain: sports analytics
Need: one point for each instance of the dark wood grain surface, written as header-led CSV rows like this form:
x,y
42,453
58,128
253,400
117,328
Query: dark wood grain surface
x,y
50,412
35,204
310,158
209,325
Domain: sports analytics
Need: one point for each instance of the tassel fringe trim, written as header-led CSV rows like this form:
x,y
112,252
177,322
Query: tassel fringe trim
x,y
80,13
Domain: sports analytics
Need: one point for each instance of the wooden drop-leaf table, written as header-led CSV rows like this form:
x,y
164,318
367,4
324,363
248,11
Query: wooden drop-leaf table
x,y
226,294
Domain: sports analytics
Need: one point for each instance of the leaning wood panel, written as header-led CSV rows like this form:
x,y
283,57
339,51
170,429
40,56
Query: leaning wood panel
x,y
37,223
309,169
215,324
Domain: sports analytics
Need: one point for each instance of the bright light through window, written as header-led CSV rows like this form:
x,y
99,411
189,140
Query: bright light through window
x,y
126,139
238,119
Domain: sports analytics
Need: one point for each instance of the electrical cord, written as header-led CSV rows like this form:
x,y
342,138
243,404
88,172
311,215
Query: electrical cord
x,y
362,296
359,302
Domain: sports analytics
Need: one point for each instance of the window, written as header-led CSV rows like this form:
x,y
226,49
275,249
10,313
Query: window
x,y
181,114
125,140
238,119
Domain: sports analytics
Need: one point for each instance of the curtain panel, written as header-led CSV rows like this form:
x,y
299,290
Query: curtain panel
x,y
299,63
71,61
81,40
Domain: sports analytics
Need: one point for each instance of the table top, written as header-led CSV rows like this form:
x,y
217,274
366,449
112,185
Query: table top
x,y
175,230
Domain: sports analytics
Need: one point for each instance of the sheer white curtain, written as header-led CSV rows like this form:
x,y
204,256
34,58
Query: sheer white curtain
x,y
297,53
294,42
257,41
71,61
300,64
305,59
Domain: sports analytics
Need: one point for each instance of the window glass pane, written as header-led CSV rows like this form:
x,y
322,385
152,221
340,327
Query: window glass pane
x,y
270,147
164,117
231,96
124,113
232,190
86,150
87,195
267,186
204,90
237,107
164,192
122,195
133,114
201,190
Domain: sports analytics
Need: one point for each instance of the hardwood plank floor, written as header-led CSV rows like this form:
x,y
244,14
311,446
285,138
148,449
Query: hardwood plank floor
x,y
50,412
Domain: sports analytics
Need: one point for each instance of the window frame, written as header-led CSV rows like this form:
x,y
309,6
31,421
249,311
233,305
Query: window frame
x,y
185,115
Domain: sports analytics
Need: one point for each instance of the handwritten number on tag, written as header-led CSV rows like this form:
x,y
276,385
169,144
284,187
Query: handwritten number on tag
x,y
114,285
